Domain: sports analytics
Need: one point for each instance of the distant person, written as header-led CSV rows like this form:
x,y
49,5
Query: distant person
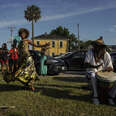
x,y
43,66
13,61
4,57
98,59
17,40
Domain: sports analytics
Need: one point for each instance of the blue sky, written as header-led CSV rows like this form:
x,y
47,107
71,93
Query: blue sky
x,y
96,17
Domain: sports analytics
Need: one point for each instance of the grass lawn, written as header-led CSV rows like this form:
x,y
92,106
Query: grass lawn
x,y
55,96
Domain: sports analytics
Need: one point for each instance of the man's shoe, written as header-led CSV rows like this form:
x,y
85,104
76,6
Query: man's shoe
x,y
96,101
111,101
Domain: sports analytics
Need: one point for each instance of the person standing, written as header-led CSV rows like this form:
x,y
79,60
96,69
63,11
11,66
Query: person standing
x,y
4,57
13,61
98,59
43,66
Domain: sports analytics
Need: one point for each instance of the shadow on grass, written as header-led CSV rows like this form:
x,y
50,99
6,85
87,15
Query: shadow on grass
x,y
9,87
71,79
85,87
81,72
64,94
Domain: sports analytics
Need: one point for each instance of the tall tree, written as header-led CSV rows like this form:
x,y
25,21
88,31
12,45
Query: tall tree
x,y
71,38
33,13
72,41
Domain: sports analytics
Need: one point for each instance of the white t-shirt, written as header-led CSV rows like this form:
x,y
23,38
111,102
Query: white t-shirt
x,y
107,61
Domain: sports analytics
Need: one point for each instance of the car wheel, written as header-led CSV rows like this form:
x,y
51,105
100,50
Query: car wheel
x,y
53,70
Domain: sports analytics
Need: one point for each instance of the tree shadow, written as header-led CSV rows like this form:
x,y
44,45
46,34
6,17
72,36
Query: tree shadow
x,y
71,79
75,72
10,87
64,94
85,87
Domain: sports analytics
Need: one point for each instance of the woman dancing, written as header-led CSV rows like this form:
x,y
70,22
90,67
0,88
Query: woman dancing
x,y
26,72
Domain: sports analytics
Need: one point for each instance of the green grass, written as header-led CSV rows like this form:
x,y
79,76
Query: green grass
x,y
54,96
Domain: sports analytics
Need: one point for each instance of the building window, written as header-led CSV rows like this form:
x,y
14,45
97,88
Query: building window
x,y
53,54
53,44
61,44
38,42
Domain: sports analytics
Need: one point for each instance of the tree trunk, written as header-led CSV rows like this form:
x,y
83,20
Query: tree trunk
x,y
33,33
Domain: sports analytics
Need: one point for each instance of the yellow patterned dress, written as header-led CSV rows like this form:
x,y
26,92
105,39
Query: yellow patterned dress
x,y
26,71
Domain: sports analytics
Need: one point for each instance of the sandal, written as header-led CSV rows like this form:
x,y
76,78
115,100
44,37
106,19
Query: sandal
x,y
111,101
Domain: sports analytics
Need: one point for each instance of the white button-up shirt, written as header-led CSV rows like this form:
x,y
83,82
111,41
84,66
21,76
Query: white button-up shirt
x,y
107,61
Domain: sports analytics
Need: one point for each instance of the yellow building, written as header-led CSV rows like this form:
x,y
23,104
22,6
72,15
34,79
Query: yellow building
x,y
58,44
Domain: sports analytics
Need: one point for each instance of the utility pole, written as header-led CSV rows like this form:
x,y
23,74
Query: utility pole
x,y
11,31
78,37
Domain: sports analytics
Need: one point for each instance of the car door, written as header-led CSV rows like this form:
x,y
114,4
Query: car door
x,y
74,61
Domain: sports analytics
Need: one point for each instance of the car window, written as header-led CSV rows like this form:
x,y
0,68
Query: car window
x,y
77,55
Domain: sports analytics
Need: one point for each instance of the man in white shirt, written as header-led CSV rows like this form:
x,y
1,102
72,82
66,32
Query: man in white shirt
x,y
98,59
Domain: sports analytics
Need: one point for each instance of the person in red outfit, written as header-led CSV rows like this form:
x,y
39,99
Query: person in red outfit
x,y
13,58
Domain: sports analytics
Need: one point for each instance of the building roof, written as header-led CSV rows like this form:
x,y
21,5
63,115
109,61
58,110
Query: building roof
x,y
49,37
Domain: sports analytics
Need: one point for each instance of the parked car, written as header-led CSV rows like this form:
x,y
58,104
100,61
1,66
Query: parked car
x,y
113,56
74,60
62,55
55,66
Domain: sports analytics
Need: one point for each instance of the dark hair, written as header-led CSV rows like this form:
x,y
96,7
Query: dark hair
x,y
21,30
43,50
4,45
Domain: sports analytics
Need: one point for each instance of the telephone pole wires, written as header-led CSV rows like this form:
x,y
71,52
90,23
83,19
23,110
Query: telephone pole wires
x,y
11,33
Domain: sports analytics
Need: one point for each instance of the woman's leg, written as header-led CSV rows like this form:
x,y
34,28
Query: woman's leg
x,y
31,84
7,65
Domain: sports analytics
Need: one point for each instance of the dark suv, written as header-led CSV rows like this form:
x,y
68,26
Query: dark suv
x,y
75,60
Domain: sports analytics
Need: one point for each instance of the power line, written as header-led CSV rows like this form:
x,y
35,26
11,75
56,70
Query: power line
x,y
11,32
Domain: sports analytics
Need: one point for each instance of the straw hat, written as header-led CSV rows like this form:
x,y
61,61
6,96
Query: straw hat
x,y
99,42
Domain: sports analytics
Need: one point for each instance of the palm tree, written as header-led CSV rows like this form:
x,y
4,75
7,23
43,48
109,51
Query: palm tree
x,y
32,13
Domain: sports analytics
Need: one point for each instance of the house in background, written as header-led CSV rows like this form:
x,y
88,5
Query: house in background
x,y
58,44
